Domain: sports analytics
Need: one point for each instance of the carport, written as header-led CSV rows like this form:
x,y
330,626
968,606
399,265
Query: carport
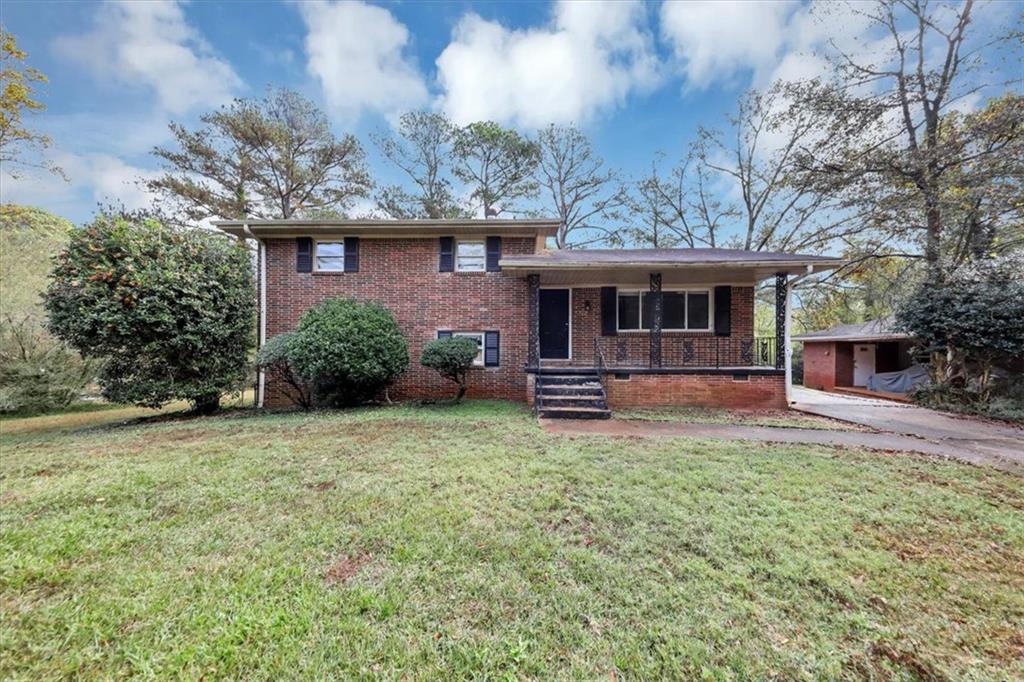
x,y
848,355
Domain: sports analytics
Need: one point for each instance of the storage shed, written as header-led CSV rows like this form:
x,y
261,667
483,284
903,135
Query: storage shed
x,y
850,354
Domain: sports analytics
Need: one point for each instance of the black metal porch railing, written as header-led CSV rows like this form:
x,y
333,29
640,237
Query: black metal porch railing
x,y
599,364
686,351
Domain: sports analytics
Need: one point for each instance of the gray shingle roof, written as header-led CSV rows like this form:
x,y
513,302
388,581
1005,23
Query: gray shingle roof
x,y
872,330
597,257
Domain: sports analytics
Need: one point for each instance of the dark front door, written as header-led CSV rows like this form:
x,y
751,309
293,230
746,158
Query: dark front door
x,y
554,324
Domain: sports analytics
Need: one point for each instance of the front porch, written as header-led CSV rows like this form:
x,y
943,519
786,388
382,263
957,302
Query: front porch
x,y
658,327
581,329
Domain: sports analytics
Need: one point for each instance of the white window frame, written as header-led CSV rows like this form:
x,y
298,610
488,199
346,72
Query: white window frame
x,y
478,361
316,259
483,258
686,316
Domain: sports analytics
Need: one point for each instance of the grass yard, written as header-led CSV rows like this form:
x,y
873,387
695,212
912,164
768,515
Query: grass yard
x,y
441,543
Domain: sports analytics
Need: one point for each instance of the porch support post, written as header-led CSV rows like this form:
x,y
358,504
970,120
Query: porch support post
x,y
781,320
656,315
533,321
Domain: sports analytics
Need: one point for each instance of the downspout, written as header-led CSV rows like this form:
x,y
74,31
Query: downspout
x,y
261,259
788,329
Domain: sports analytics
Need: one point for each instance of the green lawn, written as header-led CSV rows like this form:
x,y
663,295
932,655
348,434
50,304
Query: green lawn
x,y
441,543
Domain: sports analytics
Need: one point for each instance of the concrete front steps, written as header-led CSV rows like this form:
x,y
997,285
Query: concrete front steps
x,y
572,396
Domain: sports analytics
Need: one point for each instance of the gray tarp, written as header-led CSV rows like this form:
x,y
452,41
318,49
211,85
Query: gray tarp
x,y
898,382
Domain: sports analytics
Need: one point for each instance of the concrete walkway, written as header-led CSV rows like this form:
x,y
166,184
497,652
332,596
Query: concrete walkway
x,y
972,440
901,427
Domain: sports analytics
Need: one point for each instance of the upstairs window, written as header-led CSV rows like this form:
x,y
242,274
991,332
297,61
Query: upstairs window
x,y
330,256
680,310
470,256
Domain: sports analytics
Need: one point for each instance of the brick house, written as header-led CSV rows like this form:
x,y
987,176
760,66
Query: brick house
x,y
572,332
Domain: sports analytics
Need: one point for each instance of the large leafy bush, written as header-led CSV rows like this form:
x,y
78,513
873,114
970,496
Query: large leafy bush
x,y
451,357
971,320
348,351
170,311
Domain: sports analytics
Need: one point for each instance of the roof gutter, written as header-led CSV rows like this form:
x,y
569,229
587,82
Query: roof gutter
x,y
655,265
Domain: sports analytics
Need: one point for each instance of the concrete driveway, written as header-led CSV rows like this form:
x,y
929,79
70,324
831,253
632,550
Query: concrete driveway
x,y
972,440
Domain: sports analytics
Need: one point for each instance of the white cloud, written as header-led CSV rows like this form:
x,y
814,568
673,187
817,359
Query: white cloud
x,y
93,178
718,39
150,45
357,52
590,58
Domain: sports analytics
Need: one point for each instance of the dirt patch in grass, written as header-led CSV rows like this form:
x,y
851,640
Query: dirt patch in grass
x,y
703,415
909,661
344,570
322,486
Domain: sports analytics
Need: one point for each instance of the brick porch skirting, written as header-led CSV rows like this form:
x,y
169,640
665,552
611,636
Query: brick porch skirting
x,y
738,389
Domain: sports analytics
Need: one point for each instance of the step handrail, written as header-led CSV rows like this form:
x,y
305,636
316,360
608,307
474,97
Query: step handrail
x,y
599,365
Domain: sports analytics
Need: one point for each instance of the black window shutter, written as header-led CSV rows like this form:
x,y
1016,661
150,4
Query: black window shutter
x,y
304,254
492,351
493,254
609,300
723,311
351,254
447,260
444,334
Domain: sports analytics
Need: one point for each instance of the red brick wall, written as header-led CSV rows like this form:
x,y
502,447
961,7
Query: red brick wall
x,y
401,275
820,365
693,390
697,390
828,364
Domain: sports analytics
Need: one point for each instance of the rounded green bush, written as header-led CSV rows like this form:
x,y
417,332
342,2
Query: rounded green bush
x,y
348,351
169,311
451,357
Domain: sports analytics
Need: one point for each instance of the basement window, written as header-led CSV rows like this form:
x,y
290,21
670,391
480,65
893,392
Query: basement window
x,y
478,361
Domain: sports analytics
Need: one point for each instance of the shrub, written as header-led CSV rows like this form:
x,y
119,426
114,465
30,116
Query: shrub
x,y
38,373
170,311
348,351
451,357
274,359
972,319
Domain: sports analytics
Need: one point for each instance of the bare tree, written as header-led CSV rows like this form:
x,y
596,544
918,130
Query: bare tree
x,y
778,209
583,193
422,149
269,158
680,208
885,149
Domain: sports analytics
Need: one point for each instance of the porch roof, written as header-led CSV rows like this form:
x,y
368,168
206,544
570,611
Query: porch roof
x,y
679,265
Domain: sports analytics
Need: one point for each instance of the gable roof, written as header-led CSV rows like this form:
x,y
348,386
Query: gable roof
x,y
296,227
872,330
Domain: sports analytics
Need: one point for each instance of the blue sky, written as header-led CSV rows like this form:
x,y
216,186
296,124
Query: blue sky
x,y
636,77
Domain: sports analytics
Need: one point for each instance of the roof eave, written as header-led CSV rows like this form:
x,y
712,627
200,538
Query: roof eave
x,y
272,228
853,339
536,265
